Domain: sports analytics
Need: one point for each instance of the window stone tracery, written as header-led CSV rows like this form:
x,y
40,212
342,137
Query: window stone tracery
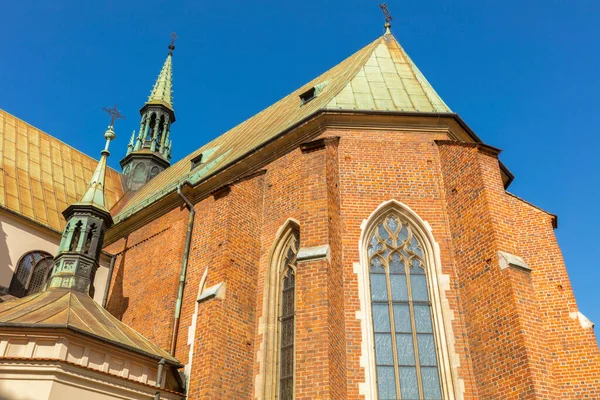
x,y
404,344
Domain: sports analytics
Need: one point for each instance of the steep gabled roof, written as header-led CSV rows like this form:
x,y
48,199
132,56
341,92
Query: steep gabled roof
x,y
40,175
378,77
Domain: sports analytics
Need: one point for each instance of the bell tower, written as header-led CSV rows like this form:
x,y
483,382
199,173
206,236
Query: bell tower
x,y
149,151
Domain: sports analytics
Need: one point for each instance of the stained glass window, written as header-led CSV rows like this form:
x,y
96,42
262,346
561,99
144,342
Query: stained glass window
x,y
405,349
286,321
29,272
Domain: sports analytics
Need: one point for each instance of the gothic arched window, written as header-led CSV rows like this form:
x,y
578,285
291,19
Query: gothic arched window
x,y
76,236
31,273
406,359
88,238
287,310
277,369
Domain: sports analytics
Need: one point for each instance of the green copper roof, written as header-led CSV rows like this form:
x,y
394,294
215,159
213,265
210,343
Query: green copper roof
x,y
94,195
379,77
162,93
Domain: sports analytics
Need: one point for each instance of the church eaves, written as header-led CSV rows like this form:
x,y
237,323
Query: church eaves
x,y
379,77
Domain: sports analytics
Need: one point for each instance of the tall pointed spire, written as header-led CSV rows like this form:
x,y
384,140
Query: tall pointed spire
x,y
76,263
162,93
149,153
94,195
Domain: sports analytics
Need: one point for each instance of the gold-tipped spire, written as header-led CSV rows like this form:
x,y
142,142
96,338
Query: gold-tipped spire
x,y
162,93
95,193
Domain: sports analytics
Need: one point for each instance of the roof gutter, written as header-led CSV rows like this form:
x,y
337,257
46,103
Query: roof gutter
x,y
184,263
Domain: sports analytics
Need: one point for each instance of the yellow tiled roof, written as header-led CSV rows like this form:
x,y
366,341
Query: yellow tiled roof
x,y
40,176
379,77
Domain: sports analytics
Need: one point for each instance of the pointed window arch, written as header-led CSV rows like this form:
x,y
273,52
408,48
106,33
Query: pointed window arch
x,y
31,273
76,236
404,327
91,231
279,302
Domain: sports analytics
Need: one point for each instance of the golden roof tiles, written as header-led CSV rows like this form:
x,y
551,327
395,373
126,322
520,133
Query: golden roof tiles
x,y
40,175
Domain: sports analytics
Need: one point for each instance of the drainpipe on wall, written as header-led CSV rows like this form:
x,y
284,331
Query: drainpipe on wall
x,y
184,263
159,374
108,279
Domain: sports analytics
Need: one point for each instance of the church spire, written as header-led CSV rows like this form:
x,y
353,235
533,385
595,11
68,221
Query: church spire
x,y
149,152
76,263
94,195
162,93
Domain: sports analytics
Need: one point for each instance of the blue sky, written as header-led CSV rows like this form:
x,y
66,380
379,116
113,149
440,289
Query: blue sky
x,y
523,75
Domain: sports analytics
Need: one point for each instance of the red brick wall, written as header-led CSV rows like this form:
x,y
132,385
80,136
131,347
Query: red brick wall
x,y
505,331
146,276
575,356
508,325
376,166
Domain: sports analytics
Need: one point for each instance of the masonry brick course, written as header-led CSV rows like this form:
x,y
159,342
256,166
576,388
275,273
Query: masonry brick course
x,y
513,336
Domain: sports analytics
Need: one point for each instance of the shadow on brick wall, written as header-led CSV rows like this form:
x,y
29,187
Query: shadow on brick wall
x,y
117,303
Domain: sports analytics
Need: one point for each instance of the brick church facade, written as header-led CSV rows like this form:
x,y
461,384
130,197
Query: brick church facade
x,y
355,240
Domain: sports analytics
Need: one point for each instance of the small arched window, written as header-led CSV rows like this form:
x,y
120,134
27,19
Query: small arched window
x,y
75,237
31,274
88,238
406,360
278,364
287,311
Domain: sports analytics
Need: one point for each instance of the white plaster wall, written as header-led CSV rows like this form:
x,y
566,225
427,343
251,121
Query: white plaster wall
x,y
25,387
19,236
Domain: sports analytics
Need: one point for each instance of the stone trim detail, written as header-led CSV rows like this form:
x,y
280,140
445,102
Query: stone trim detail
x,y
217,291
507,260
313,253
318,144
583,320
481,147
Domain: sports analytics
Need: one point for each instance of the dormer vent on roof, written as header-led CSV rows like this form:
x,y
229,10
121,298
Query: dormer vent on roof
x,y
313,92
197,160
308,95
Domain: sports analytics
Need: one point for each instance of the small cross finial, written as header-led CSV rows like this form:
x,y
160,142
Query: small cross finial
x,y
388,17
114,113
172,45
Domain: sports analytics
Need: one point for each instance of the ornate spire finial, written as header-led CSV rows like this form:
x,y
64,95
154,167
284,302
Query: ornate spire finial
x,y
113,113
172,45
388,18
109,135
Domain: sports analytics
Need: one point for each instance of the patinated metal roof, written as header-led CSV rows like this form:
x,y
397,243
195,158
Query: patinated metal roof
x,y
162,93
379,77
64,308
40,175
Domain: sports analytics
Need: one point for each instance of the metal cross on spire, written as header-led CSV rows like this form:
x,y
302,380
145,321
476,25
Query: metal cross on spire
x,y
114,113
172,45
387,15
